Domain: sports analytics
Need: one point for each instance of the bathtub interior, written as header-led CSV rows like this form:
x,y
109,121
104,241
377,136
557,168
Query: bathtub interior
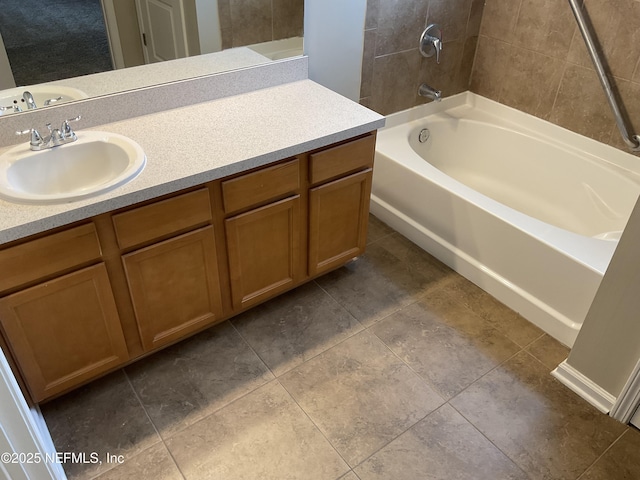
x,y
573,192
572,243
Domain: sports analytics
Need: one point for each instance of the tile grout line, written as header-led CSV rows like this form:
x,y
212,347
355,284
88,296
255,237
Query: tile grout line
x,y
473,424
246,342
316,427
535,358
523,350
441,287
487,373
365,327
114,466
162,440
612,443
398,436
602,455
485,437
277,377
425,380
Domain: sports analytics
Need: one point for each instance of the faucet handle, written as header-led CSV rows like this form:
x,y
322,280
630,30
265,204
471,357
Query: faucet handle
x,y
50,101
36,138
66,129
15,108
431,42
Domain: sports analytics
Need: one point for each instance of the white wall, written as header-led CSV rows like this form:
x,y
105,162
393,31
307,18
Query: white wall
x,y
334,41
21,434
6,77
608,345
208,26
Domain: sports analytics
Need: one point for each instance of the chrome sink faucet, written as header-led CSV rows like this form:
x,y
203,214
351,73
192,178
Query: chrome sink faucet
x,y
28,99
56,137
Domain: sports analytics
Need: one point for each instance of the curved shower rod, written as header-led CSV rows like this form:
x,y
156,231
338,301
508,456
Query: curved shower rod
x,y
632,141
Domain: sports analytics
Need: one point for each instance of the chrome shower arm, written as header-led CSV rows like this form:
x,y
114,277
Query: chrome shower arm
x,y
632,141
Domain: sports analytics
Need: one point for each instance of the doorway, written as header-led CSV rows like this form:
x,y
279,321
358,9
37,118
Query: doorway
x,y
48,40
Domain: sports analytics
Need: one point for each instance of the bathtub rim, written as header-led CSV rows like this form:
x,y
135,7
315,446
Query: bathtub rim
x,y
511,118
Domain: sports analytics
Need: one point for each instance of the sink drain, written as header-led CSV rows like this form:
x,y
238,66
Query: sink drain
x,y
424,135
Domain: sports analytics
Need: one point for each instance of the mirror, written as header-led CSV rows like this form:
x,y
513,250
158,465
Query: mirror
x,y
215,36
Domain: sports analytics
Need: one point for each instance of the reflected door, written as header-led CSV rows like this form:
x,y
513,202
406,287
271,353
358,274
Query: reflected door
x,y
163,28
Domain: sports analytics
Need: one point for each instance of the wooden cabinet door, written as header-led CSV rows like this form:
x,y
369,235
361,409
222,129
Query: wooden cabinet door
x,y
338,219
264,251
174,287
64,331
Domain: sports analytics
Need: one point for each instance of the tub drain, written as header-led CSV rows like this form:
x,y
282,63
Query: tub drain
x,y
424,135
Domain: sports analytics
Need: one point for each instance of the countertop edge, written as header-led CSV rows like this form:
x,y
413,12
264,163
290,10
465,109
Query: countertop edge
x,y
369,121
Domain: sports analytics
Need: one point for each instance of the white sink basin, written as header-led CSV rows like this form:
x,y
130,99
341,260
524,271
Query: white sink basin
x,y
95,163
41,93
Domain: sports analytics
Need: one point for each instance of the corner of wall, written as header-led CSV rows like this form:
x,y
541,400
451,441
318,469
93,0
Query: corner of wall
x,y
584,387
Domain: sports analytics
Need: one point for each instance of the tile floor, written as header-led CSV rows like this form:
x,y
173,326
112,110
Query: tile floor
x,y
392,367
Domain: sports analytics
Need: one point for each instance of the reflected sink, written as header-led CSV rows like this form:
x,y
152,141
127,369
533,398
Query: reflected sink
x,y
41,93
95,163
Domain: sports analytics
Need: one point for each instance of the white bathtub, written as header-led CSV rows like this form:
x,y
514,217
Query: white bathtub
x,y
528,211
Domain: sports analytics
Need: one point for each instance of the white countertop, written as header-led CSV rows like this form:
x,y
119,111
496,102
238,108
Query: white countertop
x,y
130,78
196,144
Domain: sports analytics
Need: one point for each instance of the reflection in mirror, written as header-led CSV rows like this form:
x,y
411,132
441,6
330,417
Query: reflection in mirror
x,y
87,43
45,47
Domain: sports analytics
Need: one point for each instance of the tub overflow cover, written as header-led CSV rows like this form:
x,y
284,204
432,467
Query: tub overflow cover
x,y
424,135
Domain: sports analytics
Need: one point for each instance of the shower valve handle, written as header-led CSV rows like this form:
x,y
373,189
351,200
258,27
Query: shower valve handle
x,y
431,42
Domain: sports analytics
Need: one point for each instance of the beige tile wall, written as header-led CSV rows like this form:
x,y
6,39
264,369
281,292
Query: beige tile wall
x,y
245,22
393,68
531,56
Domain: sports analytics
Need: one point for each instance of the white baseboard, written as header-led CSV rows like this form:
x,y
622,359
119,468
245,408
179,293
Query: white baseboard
x,y
584,387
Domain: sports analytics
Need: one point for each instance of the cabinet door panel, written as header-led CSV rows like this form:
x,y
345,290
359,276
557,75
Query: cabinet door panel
x,y
264,251
338,219
174,287
64,331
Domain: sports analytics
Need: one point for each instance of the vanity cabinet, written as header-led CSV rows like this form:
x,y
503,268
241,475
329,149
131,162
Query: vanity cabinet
x,y
64,330
90,298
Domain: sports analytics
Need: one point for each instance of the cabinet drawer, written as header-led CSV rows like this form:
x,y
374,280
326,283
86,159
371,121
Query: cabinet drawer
x,y
261,186
162,218
342,159
48,255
